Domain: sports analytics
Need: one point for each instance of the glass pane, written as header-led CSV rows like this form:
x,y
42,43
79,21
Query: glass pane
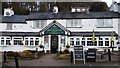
x,y
2,42
100,22
8,42
69,23
46,41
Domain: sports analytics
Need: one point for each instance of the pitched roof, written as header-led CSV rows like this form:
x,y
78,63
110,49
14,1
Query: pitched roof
x,y
14,19
55,23
60,15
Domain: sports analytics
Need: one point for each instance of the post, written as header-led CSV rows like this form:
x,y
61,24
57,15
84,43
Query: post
x,y
5,57
109,55
16,60
71,59
60,51
43,50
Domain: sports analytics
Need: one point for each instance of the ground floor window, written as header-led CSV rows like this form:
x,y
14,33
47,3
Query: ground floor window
x,y
18,41
5,41
90,43
71,41
100,42
8,41
63,41
32,41
106,41
46,41
77,41
83,41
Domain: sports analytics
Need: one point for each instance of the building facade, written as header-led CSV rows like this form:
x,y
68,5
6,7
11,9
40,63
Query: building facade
x,y
57,30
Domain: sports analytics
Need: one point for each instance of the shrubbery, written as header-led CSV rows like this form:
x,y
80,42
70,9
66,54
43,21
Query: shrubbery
x,y
66,51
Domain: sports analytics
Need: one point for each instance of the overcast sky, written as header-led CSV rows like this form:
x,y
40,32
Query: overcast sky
x,y
109,2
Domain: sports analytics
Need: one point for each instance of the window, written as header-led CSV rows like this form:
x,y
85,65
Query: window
x,y
9,26
73,23
77,41
2,41
105,23
39,24
106,41
26,41
83,41
8,41
63,41
46,41
18,41
100,42
90,43
31,41
37,41
71,41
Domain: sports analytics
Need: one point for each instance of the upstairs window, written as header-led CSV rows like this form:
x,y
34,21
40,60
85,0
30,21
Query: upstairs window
x,y
39,24
73,23
105,23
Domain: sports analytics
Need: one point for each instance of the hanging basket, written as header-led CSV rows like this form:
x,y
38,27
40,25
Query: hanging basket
x,y
41,46
67,46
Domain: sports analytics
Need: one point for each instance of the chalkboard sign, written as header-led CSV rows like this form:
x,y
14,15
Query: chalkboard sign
x,y
91,55
79,53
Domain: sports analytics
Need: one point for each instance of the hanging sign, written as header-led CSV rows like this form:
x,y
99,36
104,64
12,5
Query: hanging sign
x,y
54,30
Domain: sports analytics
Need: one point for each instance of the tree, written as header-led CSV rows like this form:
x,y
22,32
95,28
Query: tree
x,y
98,6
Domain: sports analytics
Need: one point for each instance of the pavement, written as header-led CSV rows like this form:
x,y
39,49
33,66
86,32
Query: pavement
x,y
49,60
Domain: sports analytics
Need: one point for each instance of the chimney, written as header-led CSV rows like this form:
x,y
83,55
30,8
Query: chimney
x,y
55,9
8,11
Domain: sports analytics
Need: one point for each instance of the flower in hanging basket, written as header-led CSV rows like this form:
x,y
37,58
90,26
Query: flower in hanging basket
x,y
67,46
41,46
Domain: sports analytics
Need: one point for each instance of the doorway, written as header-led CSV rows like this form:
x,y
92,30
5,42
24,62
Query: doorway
x,y
54,44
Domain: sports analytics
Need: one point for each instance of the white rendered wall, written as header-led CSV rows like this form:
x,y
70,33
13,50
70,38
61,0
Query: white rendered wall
x,y
87,25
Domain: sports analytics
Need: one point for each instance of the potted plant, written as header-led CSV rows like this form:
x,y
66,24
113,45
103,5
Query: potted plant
x,y
41,46
67,46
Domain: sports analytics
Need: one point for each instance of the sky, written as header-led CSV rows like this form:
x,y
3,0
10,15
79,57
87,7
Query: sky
x,y
109,2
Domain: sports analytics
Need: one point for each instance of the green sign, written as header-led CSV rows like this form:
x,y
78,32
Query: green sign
x,y
54,30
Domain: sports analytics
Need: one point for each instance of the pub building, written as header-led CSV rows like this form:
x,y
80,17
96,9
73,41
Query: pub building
x,y
56,30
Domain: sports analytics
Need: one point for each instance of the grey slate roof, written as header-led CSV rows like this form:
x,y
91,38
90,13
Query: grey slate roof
x,y
14,19
90,33
71,34
60,15
74,15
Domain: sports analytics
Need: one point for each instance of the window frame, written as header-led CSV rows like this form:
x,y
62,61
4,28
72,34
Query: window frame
x,y
73,23
104,22
42,24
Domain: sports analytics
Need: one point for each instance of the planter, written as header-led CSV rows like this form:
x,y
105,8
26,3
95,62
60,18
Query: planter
x,y
67,46
41,46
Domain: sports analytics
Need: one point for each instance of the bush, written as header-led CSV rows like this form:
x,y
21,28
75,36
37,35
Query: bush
x,y
66,51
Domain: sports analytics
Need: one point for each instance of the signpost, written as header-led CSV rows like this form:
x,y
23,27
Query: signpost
x,y
79,54
91,55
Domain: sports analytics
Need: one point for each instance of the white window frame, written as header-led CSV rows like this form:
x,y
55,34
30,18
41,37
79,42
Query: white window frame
x,y
5,39
42,24
70,23
18,39
34,39
104,21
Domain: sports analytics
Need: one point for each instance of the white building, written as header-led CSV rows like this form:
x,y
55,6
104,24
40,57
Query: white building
x,y
115,7
56,30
